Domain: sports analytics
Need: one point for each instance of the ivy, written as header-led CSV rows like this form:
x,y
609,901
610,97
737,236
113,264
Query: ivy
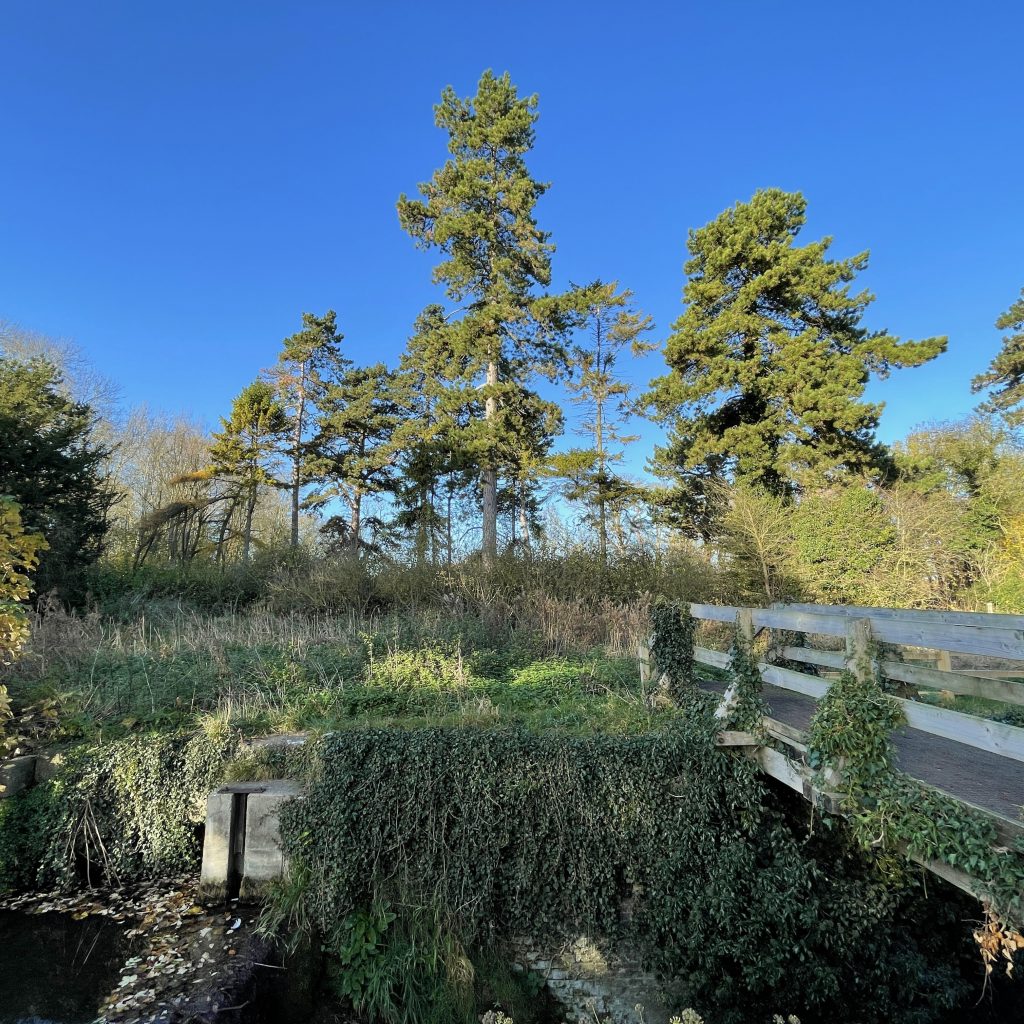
x,y
490,833
748,706
115,812
672,648
893,815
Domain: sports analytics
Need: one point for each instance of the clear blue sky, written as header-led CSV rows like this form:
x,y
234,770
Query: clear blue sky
x,y
178,181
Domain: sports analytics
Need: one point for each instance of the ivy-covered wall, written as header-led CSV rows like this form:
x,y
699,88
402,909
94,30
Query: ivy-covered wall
x,y
113,812
494,833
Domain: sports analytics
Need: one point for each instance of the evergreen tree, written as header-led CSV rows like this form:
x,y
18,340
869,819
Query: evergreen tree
x,y
438,402
358,418
769,361
52,467
309,362
1006,372
244,451
614,326
478,210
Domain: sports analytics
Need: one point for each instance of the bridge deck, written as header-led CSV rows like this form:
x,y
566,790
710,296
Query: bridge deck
x,y
988,780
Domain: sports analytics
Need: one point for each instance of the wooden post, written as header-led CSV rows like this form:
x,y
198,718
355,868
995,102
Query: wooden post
x,y
644,654
745,628
858,648
945,662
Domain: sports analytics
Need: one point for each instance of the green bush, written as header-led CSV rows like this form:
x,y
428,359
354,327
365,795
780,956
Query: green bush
x,y
502,832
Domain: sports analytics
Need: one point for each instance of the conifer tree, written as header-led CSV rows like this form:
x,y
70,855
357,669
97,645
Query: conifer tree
x,y
478,209
1006,372
309,362
51,465
769,361
613,326
245,448
358,417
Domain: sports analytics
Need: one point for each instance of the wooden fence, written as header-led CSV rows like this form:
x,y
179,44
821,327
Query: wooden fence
x,y
892,643
966,633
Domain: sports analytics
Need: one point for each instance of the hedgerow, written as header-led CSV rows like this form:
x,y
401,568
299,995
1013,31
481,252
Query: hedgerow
x,y
466,836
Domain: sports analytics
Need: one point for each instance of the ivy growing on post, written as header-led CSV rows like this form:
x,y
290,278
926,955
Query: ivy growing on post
x,y
893,815
747,706
672,648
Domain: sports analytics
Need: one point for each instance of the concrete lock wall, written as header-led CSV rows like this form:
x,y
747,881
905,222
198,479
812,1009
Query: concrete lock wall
x,y
242,843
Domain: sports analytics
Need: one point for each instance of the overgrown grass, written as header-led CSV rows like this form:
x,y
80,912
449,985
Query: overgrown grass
x,y
262,672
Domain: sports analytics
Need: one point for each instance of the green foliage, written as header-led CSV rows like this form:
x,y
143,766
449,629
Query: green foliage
x,y
844,540
769,361
19,554
1006,372
748,705
53,468
115,812
893,815
672,647
469,833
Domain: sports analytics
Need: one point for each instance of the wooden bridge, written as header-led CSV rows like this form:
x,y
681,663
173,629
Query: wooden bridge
x,y
978,761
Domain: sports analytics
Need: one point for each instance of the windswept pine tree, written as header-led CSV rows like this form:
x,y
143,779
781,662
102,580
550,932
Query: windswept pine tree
x,y
769,362
478,209
1006,372
245,449
310,361
613,327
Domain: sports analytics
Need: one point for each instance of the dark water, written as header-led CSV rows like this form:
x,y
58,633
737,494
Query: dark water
x,y
54,970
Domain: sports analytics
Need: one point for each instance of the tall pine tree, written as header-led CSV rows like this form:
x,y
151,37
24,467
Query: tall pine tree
x,y
310,361
1006,371
244,451
478,209
769,362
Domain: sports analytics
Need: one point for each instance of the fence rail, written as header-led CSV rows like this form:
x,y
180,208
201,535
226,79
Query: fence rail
x,y
971,633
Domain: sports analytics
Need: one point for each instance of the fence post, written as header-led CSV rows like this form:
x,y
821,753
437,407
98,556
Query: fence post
x,y
858,648
745,628
644,654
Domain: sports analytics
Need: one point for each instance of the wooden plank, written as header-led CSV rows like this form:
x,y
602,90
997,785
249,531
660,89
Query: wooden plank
x,y
812,656
706,656
973,684
734,738
780,767
969,684
786,733
714,612
1000,642
945,615
1006,740
812,686
997,642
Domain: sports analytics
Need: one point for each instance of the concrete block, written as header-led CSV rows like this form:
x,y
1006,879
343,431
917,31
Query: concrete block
x,y
17,774
241,845
264,859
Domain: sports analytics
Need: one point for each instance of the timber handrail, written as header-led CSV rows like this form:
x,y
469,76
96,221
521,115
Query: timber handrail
x,y
969,634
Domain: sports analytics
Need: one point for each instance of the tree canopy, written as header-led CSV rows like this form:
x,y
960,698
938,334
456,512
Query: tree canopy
x,y
769,361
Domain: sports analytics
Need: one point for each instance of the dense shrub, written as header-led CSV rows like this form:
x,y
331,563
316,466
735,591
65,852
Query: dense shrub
x,y
489,833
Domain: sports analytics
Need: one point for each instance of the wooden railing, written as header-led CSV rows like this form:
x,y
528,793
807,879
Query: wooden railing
x,y
946,632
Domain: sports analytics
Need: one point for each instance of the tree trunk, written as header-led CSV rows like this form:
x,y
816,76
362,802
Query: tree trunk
x,y
489,479
250,508
300,411
524,522
355,522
